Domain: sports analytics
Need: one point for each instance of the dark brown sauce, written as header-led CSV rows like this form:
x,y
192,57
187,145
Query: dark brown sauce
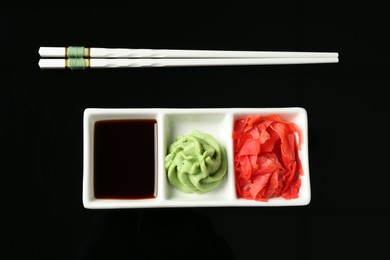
x,y
125,159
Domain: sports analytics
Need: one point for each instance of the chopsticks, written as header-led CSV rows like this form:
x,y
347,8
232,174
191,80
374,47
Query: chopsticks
x,y
83,52
75,57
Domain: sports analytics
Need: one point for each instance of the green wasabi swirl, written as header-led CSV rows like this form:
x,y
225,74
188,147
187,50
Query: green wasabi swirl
x,y
195,163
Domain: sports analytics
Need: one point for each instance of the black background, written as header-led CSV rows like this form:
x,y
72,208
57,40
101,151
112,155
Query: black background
x,y
41,214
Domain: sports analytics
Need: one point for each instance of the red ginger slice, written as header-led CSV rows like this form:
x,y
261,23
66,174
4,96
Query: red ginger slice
x,y
266,163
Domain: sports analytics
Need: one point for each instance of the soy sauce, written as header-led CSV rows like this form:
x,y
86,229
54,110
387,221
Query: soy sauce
x,y
125,159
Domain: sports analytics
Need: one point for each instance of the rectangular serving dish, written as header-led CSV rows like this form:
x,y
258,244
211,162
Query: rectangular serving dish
x,y
172,122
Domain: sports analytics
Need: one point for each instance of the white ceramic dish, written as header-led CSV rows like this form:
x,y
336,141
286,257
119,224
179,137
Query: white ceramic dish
x,y
172,122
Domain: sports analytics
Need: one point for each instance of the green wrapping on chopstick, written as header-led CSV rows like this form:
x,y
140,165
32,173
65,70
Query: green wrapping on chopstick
x,y
75,52
196,163
77,63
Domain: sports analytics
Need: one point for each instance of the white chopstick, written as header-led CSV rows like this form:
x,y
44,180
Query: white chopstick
x,y
82,63
80,52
